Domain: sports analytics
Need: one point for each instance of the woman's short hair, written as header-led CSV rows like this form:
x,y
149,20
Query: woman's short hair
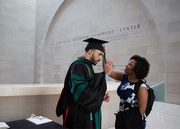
x,y
142,66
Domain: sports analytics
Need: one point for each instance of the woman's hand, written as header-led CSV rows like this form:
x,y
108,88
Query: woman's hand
x,y
109,66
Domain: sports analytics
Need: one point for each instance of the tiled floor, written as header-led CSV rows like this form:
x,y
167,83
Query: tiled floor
x,y
163,116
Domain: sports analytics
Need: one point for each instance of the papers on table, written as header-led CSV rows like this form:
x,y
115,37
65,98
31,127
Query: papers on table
x,y
3,125
38,119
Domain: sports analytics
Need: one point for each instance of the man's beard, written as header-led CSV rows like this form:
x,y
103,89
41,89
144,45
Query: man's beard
x,y
93,61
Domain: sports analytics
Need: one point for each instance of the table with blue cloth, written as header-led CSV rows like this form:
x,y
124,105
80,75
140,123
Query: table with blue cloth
x,y
25,124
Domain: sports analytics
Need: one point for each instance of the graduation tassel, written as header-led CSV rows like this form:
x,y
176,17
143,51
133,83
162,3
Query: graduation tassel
x,y
105,58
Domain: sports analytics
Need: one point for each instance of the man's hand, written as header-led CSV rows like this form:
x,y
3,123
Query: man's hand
x,y
106,97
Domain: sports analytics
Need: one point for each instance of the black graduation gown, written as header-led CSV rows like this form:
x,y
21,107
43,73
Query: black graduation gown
x,y
81,99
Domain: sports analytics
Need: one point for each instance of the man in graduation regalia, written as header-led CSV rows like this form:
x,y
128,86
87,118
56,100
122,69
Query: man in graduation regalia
x,y
84,91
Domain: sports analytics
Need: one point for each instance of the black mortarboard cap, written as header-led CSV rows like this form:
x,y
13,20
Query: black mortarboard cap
x,y
95,44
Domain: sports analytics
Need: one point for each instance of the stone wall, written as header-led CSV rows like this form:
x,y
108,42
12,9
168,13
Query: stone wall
x,y
40,39
46,9
17,40
21,100
149,28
